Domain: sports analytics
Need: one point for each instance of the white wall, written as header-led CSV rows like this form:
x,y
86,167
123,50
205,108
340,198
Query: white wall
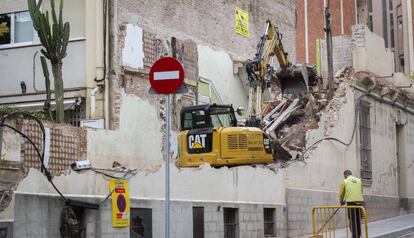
x,y
327,161
137,144
369,52
16,65
217,66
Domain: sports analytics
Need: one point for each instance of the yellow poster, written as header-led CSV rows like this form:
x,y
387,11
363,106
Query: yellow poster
x,y
242,22
120,203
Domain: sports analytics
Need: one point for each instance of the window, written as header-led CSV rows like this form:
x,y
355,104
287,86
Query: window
x,y
365,141
16,28
194,119
231,222
370,21
392,30
141,223
207,93
402,63
198,222
269,222
221,117
5,28
384,22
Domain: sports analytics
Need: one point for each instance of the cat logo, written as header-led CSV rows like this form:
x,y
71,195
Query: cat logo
x,y
197,141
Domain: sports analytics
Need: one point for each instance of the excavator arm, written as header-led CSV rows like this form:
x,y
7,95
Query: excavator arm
x,y
260,71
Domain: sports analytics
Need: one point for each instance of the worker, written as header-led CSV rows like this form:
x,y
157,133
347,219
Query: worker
x,y
350,193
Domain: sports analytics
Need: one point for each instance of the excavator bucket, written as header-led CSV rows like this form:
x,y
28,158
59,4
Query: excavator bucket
x,y
295,80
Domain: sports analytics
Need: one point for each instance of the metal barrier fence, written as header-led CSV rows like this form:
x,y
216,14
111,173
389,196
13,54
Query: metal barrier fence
x,y
339,222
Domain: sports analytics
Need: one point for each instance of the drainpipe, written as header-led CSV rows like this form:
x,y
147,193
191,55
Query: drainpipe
x,y
34,72
93,100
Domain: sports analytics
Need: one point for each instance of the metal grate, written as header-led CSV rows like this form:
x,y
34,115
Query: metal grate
x,y
365,141
141,223
231,222
77,113
198,222
237,142
269,222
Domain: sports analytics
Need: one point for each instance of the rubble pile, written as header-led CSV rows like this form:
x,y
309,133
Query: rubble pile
x,y
286,119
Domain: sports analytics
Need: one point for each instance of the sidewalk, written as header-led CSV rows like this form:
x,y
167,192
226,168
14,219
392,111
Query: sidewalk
x,y
392,227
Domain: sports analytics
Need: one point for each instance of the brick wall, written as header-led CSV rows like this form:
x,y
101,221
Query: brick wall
x,y
316,31
211,22
67,144
189,23
341,54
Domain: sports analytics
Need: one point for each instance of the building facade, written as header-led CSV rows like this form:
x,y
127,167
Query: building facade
x,y
393,21
310,24
22,80
370,113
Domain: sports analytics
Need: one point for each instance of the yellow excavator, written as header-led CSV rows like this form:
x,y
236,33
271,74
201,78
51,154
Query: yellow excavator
x,y
209,133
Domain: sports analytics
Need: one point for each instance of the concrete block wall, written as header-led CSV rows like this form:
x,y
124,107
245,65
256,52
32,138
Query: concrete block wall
x,y
341,53
300,203
410,202
38,216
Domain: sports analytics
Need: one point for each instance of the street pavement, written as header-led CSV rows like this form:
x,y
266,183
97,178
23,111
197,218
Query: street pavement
x,y
392,227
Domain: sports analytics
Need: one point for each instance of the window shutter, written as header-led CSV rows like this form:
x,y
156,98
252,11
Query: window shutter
x,y
9,6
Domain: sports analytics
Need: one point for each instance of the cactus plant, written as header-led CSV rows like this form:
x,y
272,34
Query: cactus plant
x,y
54,38
46,108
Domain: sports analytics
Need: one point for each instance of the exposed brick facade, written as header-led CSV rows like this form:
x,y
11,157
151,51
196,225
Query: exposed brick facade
x,y
315,16
189,23
67,145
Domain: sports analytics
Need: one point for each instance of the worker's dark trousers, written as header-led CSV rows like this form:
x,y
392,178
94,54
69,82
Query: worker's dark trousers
x,y
354,216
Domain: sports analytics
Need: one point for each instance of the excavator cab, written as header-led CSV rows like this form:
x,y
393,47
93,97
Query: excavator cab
x,y
207,116
209,134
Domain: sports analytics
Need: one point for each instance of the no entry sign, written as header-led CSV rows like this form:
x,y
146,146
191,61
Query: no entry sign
x,y
166,75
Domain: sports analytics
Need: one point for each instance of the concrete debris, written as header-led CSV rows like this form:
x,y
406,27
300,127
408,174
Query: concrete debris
x,y
287,120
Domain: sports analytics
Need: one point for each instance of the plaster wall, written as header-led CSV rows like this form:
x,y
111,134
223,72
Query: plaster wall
x,y
217,67
329,158
138,144
384,160
409,149
332,158
369,52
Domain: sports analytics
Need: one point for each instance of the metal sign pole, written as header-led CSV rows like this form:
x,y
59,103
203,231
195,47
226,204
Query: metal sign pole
x,y
167,168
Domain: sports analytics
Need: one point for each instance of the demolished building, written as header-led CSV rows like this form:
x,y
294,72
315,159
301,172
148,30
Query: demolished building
x,y
370,112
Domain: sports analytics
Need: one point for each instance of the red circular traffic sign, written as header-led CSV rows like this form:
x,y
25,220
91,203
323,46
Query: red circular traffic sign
x,y
166,75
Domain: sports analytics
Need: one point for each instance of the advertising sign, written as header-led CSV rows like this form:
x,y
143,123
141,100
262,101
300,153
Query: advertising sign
x,y
242,22
120,203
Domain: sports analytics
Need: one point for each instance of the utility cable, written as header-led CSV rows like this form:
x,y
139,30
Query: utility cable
x,y
115,187
40,155
46,171
304,157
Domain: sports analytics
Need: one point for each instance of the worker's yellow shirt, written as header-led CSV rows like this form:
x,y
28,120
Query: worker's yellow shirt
x,y
351,190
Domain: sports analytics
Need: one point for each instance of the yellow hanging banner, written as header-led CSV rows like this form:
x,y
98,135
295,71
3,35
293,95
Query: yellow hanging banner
x,y
242,22
120,203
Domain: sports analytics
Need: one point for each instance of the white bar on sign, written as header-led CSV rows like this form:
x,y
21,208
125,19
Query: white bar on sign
x,y
166,75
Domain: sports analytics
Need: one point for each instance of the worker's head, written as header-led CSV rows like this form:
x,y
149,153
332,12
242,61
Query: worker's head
x,y
347,173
